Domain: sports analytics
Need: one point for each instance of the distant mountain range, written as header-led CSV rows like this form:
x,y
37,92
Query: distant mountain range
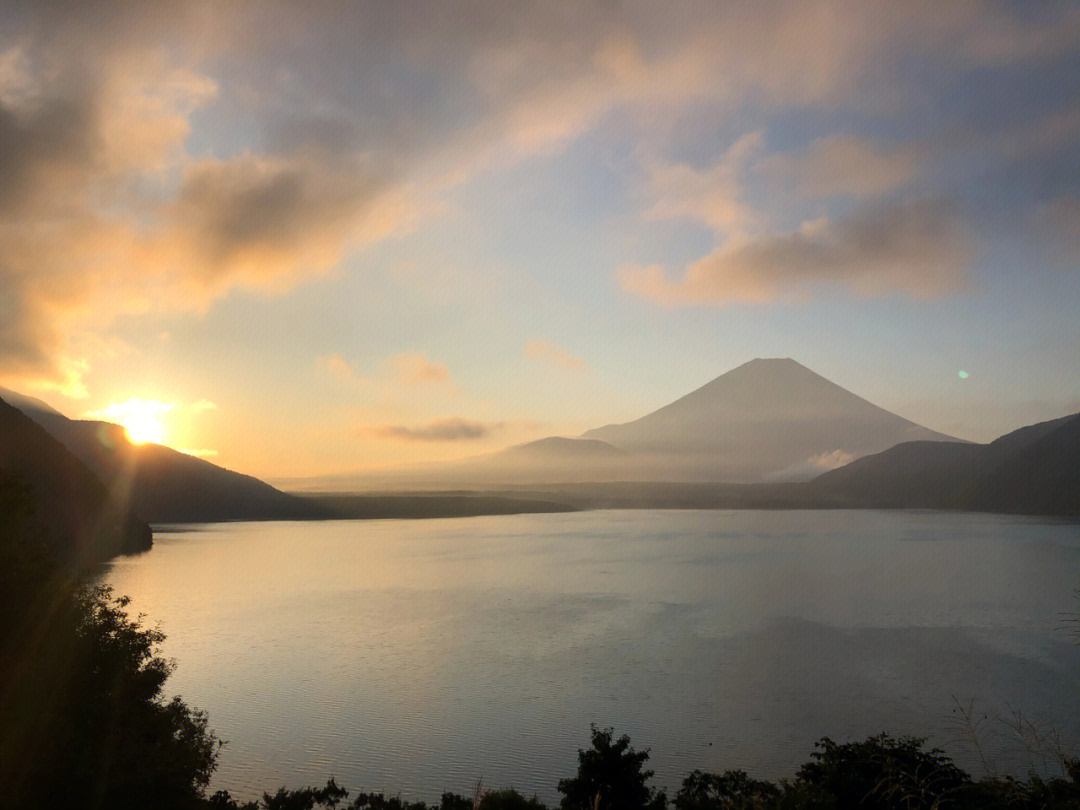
x,y
768,420
1031,471
768,434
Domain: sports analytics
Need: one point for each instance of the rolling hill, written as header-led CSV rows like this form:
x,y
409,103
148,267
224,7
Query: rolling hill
x,y
1034,470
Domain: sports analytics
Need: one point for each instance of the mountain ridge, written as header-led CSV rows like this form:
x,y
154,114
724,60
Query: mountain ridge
x,y
164,485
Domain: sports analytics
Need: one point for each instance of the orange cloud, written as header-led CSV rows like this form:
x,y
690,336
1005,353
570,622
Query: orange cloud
x,y
417,369
337,365
843,164
922,250
549,352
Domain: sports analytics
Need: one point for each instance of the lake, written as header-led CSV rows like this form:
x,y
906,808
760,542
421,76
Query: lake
x,y
419,656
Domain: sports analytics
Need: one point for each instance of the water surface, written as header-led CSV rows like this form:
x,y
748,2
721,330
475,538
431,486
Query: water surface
x,y
419,656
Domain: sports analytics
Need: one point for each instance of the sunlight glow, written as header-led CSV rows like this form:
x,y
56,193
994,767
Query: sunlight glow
x,y
141,418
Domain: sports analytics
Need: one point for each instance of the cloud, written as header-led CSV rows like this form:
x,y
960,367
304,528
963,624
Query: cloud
x,y
813,466
337,365
417,369
157,157
922,250
549,352
716,195
104,213
711,196
1059,221
439,430
843,164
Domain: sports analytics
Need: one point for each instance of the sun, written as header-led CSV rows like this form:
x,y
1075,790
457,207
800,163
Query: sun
x,y
140,418
144,428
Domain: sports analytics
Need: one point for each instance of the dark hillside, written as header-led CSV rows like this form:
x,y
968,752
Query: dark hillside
x,y
1042,477
163,485
83,523
1034,470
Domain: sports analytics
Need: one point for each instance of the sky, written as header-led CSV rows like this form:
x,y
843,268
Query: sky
x,y
304,239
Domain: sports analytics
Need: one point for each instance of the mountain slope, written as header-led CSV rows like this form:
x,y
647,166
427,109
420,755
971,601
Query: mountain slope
x,y
165,486
82,521
912,475
770,419
544,460
1042,477
1033,470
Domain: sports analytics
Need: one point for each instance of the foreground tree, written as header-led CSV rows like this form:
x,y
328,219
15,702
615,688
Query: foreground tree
x,y
84,722
611,776
731,790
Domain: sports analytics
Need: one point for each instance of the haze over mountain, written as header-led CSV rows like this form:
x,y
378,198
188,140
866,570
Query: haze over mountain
x,y
767,420
81,521
162,485
549,459
1031,471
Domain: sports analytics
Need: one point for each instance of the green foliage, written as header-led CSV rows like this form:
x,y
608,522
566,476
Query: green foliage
x,y
611,776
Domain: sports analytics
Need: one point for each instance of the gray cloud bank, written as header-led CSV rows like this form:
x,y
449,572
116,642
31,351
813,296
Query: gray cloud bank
x,y
439,430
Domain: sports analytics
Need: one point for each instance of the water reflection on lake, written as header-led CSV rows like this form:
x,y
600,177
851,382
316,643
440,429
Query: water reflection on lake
x,y
418,656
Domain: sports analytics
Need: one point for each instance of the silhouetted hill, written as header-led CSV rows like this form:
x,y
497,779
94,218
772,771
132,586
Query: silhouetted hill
x,y
163,485
913,475
1040,477
25,403
771,419
1033,470
80,520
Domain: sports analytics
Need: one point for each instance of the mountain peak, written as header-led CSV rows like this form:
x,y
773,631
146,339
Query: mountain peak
x,y
772,365
767,417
